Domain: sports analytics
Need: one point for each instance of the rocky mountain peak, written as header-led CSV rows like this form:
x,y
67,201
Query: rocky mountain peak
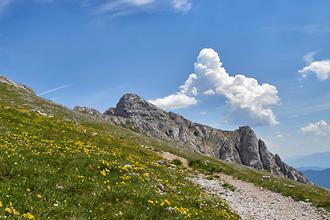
x,y
131,105
249,148
245,129
240,146
134,107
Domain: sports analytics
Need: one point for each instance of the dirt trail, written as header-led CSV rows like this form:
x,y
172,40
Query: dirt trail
x,y
254,203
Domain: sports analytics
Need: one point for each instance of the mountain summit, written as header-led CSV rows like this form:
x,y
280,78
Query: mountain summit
x,y
240,146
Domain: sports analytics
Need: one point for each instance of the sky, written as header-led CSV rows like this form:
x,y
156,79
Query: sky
x,y
224,63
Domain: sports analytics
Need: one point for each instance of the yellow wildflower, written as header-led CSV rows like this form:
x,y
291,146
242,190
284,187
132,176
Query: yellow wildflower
x,y
28,216
15,212
182,211
103,173
167,202
8,210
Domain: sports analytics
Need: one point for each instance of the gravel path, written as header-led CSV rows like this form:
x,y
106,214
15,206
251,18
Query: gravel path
x,y
254,203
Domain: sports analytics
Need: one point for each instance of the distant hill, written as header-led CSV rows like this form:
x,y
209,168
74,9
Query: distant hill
x,y
319,177
301,169
319,160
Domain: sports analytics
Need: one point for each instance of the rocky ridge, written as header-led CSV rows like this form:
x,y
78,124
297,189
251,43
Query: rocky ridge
x,y
7,81
240,146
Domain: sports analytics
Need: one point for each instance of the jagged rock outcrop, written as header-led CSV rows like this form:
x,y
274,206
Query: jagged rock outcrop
x,y
7,81
240,146
89,111
248,147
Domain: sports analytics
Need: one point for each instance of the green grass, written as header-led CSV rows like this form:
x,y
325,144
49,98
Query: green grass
x,y
204,165
176,162
229,186
319,197
59,167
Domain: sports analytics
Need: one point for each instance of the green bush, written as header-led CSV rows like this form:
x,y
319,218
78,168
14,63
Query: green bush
x,y
176,162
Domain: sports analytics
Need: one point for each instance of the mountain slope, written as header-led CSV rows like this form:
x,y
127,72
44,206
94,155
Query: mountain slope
x,y
60,164
55,166
240,146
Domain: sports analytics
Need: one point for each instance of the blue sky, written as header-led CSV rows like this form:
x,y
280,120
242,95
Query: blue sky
x,y
90,52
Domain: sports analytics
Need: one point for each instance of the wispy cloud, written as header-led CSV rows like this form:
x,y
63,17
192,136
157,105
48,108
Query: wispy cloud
x,y
118,7
309,57
307,108
54,89
181,5
5,4
124,7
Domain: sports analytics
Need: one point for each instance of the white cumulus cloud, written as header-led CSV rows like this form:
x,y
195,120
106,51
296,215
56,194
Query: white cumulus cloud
x,y
188,87
319,128
244,95
320,68
175,101
182,99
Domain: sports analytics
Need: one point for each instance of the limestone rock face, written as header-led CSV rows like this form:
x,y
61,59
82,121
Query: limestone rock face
x,y
267,158
248,146
229,152
240,146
